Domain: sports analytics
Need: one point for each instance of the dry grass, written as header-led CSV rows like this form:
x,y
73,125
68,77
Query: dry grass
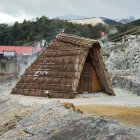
x,y
127,115
71,105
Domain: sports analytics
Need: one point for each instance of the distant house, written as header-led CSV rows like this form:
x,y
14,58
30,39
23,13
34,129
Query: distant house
x,y
20,50
14,59
70,65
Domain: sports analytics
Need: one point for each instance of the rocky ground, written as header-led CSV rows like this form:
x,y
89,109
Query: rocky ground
x,y
24,117
123,97
123,63
54,121
38,118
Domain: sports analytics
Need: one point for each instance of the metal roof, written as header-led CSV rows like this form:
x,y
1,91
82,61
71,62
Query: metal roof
x,y
24,50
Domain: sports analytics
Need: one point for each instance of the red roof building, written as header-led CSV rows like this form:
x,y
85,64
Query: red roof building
x,y
21,50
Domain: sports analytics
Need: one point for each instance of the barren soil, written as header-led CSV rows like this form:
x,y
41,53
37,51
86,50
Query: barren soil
x,y
124,107
127,115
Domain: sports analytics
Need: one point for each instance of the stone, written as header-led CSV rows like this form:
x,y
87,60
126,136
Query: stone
x,y
136,66
53,121
128,85
133,61
118,59
136,57
138,60
107,131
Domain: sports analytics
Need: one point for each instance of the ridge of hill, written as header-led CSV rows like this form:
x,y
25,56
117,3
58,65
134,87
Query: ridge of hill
x,y
95,20
88,20
135,23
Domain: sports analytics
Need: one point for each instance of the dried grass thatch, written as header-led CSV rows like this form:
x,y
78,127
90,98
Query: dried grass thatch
x,y
56,72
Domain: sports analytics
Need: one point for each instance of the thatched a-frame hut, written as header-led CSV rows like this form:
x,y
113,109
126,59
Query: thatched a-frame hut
x,y
69,65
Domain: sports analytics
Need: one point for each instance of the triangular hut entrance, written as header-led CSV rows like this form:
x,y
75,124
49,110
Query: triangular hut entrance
x,y
69,65
89,81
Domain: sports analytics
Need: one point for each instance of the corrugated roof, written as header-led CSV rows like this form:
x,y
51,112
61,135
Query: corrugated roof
x,y
28,50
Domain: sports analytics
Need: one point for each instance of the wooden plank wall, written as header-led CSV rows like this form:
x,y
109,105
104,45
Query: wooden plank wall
x,y
96,84
89,81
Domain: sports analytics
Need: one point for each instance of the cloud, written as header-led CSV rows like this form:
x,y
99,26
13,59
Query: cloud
x,y
4,18
53,8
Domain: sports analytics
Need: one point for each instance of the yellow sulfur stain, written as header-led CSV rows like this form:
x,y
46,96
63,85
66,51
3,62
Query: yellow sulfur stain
x,y
127,115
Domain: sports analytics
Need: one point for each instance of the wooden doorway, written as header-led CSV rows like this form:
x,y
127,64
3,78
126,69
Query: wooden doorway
x,y
89,81
85,79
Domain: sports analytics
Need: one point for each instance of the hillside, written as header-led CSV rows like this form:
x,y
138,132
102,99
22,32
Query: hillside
x,y
95,20
30,31
70,17
110,21
127,20
92,21
136,22
45,28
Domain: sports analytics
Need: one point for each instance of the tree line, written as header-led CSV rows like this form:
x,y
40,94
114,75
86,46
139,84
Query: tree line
x,y
45,28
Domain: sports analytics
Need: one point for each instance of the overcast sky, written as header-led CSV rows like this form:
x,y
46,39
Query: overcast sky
x,y
12,10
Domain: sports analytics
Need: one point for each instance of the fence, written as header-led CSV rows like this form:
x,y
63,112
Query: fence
x,y
120,38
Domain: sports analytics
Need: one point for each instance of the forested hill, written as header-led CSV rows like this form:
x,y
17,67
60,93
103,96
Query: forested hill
x,y
136,22
44,28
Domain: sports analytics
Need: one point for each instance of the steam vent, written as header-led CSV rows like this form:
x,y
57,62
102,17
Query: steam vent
x,y
70,65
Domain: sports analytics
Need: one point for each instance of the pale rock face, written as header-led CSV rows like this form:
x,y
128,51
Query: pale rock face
x,y
123,63
125,57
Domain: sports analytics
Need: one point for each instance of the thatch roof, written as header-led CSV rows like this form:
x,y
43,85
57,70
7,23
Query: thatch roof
x,y
56,72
